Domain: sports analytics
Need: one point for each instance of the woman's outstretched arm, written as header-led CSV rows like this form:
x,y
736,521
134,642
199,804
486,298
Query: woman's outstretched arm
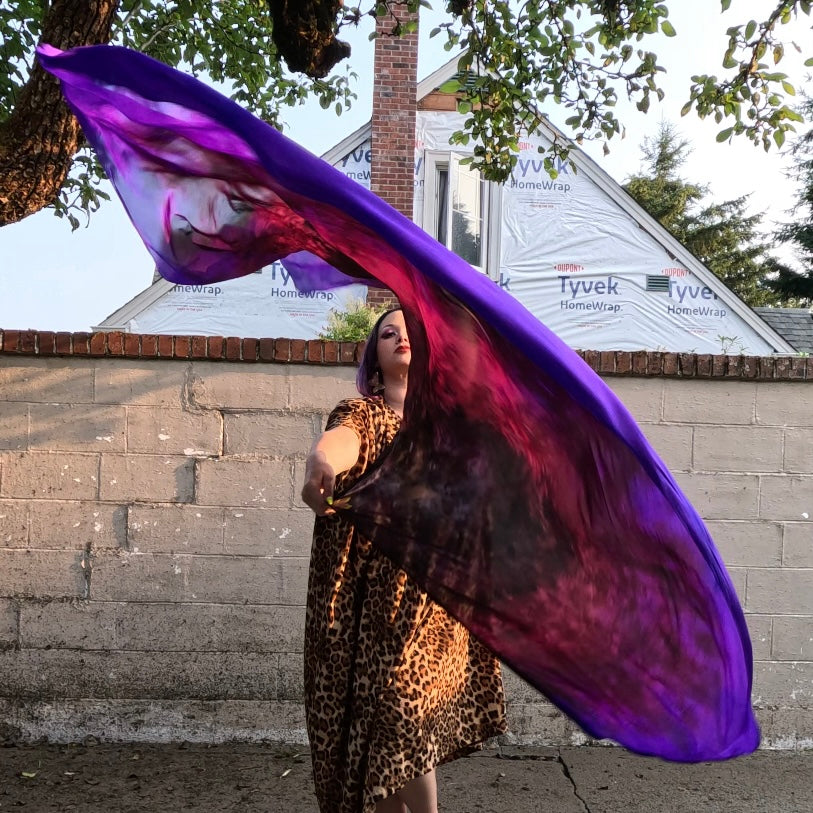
x,y
334,451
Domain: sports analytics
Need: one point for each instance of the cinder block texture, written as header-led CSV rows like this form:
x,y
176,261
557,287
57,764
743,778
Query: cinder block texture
x,y
709,402
126,576
64,673
218,386
760,628
788,497
318,388
672,442
280,435
144,383
264,532
798,450
258,483
154,549
76,525
783,404
57,476
784,591
46,381
114,626
722,496
43,574
797,548
76,427
14,426
175,529
783,684
8,624
748,544
793,638
642,397
721,448
147,478
154,430
13,524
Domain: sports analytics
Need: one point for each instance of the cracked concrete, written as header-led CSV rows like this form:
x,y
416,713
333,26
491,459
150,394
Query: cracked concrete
x,y
94,778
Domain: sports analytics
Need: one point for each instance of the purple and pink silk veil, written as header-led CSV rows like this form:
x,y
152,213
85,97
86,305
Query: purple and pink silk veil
x,y
519,493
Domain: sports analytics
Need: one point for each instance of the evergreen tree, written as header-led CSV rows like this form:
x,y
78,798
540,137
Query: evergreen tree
x,y
722,235
794,287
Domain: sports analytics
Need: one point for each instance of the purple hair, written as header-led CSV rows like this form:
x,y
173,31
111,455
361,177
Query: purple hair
x,y
368,378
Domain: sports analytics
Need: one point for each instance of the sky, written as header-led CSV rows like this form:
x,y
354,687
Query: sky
x,y
55,279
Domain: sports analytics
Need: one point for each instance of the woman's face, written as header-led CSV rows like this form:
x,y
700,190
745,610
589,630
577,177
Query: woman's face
x,y
394,354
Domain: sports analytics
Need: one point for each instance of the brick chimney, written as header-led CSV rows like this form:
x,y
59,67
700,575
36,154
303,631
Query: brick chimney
x,y
395,71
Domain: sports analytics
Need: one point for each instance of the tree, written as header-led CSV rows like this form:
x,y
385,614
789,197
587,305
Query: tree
x,y
579,53
721,235
228,41
793,286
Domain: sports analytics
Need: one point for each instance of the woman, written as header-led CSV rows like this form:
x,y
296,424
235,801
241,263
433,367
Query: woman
x,y
393,685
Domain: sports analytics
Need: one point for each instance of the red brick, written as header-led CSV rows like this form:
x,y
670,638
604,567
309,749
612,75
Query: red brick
x,y
315,351
688,365
266,350
250,349
233,347
46,342
809,369
671,364
298,350
115,343
797,368
198,347
593,359
98,344
765,367
607,361
733,366
149,345
782,367
183,347
704,365
749,367
28,341
165,346
347,351
64,343
331,352
132,345
215,347
11,341
623,362
282,349
654,363
639,362
718,366
81,344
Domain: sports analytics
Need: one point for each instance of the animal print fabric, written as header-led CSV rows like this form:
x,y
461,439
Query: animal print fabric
x,y
393,685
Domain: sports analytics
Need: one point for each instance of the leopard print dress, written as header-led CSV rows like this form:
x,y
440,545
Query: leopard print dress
x,y
393,685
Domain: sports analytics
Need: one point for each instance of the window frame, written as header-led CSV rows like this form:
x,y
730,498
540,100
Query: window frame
x,y
490,204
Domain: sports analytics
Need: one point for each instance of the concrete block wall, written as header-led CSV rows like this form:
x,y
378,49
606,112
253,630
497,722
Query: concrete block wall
x,y
153,549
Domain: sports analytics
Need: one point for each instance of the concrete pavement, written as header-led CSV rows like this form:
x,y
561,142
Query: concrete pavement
x,y
109,778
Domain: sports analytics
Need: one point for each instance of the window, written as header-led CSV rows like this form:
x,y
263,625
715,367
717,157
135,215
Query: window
x,y
461,210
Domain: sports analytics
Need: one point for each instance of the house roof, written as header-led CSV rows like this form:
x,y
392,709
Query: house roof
x,y
584,164
794,324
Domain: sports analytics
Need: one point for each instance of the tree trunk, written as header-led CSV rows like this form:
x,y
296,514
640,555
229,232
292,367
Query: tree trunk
x,y
39,139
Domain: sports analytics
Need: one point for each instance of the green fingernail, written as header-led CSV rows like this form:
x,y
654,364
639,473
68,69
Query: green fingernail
x,y
329,500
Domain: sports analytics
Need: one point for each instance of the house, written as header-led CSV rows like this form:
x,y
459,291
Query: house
x,y
576,250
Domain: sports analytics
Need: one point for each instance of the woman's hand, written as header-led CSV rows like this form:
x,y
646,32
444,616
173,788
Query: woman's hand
x,y
320,479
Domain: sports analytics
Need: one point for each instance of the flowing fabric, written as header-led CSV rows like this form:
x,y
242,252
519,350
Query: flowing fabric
x,y
519,493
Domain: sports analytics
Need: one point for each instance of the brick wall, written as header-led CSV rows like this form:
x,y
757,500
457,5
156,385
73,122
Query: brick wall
x,y
392,168
153,550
